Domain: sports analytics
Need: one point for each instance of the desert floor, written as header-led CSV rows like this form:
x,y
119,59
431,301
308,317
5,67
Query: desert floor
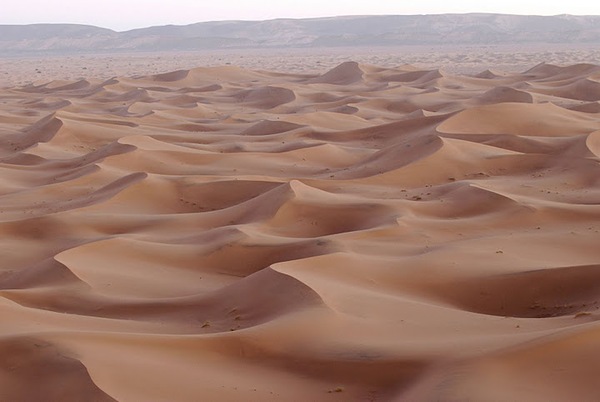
x,y
304,227
473,59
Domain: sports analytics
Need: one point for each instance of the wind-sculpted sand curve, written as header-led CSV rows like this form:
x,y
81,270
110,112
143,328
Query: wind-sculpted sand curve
x,y
364,234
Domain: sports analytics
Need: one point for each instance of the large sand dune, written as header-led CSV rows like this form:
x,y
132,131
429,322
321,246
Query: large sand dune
x,y
365,233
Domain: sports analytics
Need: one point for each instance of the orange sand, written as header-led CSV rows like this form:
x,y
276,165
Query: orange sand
x,y
368,234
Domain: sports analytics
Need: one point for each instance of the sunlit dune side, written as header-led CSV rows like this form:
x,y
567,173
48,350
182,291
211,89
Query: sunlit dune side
x,y
364,233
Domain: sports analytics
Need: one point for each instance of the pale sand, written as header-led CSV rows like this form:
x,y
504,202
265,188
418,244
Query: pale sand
x,y
366,233
469,59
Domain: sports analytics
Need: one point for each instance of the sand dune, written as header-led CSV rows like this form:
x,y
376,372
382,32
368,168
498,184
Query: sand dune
x,y
362,233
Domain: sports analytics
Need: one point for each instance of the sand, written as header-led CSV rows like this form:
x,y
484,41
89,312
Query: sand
x,y
26,69
364,232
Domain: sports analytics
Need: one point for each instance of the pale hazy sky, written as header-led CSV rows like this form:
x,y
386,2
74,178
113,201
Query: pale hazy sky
x,y
128,14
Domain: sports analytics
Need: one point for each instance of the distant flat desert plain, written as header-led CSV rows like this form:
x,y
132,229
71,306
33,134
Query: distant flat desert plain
x,y
467,59
407,224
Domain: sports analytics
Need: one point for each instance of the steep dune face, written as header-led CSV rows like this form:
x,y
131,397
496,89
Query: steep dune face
x,y
362,234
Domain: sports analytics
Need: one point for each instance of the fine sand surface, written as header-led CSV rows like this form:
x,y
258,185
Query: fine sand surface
x,y
359,234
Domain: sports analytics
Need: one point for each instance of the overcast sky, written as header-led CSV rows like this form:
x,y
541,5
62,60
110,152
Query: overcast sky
x,y
122,15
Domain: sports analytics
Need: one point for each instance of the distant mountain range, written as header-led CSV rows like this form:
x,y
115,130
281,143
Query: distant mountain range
x,y
390,30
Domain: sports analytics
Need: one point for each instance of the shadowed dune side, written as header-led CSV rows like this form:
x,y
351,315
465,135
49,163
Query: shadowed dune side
x,y
171,76
545,120
259,298
345,74
267,97
582,89
56,375
69,200
42,131
553,72
307,212
550,369
197,77
267,127
543,293
363,233
504,94
591,107
45,273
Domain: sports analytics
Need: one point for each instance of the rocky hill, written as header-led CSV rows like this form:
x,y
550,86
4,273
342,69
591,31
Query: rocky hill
x,y
317,32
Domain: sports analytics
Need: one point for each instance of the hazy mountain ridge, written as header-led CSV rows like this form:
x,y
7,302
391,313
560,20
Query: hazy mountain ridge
x,y
315,32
